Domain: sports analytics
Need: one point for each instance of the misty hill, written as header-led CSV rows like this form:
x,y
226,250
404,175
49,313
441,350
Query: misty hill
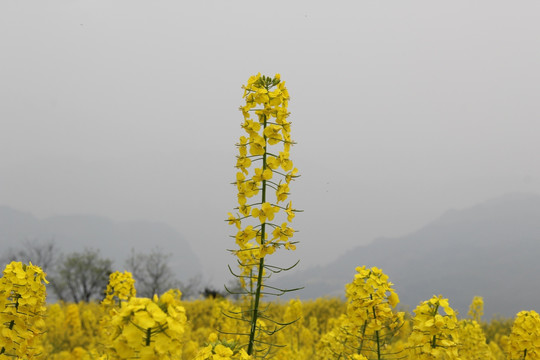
x,y
491,250
114,239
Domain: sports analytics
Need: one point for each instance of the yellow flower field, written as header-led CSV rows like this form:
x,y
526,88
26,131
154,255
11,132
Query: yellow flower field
x,y
367,325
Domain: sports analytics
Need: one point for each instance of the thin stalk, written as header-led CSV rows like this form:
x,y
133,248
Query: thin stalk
x,y
434,339
377,334
362,337
251,286
298,340
148,336
255,309
11,323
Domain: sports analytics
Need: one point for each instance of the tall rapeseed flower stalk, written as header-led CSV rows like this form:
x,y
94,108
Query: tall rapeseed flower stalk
x,y
265,173
476,309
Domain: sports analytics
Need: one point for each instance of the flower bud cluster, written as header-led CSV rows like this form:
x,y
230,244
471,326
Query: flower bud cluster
x,y
22,306
434,336
121,287
524,341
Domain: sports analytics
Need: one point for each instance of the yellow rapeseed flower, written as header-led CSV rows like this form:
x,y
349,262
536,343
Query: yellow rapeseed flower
x,y
524,340
266,211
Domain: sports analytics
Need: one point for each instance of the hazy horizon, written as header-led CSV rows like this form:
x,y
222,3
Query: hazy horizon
x,y
401,111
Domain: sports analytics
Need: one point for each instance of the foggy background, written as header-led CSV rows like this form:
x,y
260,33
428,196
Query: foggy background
x,y
401,111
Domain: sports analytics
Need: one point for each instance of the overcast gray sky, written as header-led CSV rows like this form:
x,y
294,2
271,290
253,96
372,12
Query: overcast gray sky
x,y
401,110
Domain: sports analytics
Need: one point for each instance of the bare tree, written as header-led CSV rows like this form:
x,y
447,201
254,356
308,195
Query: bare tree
x,y
43,254
191,287
82,276
153,274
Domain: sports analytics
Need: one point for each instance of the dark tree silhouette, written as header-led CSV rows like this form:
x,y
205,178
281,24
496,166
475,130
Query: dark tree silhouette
x,y
81,276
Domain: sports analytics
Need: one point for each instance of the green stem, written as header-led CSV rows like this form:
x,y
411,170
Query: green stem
x,y
376,334
10,327
378,345
298,339
255,309
148,336
434,339
362,337
251,287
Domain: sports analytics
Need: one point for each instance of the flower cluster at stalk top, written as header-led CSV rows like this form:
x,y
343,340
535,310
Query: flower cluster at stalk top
x,y
22,307
434,335
476,309
121,287
265,171
473,341
371,290
524,341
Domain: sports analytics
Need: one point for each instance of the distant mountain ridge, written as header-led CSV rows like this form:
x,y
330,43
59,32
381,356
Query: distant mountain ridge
x,y
114,239
491,250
